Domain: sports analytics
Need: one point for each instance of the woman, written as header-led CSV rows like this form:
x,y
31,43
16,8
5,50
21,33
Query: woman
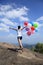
x,y
19,36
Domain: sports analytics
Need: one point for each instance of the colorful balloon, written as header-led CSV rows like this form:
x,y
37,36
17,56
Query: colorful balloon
x,y
32,28
29,25
35,24
27,29
26,23
29,33
36,30
32,32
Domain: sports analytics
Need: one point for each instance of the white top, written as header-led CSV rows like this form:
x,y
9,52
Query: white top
x,y
19,33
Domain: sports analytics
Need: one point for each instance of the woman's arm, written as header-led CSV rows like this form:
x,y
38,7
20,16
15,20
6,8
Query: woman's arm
x,y
12,28
23,28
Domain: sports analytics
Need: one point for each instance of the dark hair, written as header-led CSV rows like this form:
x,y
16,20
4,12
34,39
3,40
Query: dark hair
x,y
19,27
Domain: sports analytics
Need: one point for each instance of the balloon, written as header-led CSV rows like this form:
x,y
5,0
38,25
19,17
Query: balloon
x,y
26,23
32,28
29,33
29,25
35,24
32,32
27,29
36,30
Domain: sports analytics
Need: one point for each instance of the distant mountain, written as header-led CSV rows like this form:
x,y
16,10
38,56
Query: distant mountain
x,y
12,55
29,46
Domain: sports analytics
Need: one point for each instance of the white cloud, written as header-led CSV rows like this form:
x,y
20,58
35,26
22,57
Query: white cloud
x,y
24,18
14,13
26,8
7,21
5,7
2,13
7,12
40,18
4,27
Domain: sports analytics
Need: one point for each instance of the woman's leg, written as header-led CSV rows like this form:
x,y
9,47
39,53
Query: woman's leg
x,y
20,43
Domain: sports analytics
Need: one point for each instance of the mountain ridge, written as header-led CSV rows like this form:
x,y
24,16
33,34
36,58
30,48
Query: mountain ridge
x,y
9,56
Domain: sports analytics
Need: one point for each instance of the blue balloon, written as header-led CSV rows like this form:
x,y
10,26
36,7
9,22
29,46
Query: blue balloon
x,y
36,30
31,23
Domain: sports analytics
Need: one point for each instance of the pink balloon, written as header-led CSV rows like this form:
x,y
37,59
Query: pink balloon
x,y
29,33
32,32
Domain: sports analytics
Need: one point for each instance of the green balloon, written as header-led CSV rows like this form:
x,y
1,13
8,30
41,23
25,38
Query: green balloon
x,y
35,25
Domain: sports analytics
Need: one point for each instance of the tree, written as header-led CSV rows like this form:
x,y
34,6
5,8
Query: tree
x,y
39,48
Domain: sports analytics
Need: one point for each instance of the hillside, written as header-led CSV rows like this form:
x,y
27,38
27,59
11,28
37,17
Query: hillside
x,y
9,56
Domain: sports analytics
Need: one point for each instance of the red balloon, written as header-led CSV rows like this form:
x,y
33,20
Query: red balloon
x,y
32,28
26,23
29,33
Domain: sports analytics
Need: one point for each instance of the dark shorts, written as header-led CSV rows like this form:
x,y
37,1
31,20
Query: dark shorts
x,y
20,37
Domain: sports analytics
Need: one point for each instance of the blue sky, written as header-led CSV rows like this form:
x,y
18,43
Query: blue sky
x,y
14,13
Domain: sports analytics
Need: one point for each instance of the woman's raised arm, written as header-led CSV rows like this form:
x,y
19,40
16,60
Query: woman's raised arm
x,y
23,28
13,28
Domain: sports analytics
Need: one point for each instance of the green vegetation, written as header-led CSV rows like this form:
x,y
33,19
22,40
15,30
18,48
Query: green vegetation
x,y
38,48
